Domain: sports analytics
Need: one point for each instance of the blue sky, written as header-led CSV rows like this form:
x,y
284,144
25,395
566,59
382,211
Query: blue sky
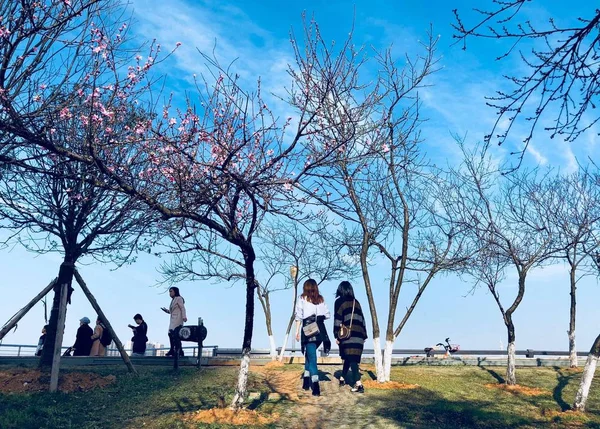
x,y
256,33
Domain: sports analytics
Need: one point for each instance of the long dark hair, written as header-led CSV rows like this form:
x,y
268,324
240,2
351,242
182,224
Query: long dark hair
x,y
345,290
176,292
310,292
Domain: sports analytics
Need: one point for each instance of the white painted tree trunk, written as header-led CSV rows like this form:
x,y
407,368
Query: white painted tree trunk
x,y
387,360
242,384
287,336
572,351
586,381
511,377
273,347
378,361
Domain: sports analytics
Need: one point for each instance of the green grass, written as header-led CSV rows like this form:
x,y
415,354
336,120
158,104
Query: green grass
x,y
451,397
448,397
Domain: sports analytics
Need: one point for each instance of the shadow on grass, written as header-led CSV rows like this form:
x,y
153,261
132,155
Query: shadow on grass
x,y
425,408
557,392
494,374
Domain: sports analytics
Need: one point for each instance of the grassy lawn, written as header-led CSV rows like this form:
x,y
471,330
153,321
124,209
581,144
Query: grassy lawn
x,y
448,397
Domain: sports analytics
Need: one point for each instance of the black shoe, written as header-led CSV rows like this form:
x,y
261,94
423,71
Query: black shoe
x,y
316,390
358,388
342,382
170,353
306,383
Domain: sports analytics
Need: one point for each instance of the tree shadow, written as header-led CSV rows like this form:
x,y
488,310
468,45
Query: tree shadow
x,y
563,381
494,374
425,408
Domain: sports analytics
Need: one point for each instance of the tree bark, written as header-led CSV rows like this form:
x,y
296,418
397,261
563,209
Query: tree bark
x,y
65,275
56,350
104,320
242,384
263,297
22,312
291,321
588,375
511,377
372,308
573,309
387,359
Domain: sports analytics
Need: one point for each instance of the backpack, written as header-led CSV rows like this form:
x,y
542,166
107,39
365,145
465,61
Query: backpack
x,y
106,338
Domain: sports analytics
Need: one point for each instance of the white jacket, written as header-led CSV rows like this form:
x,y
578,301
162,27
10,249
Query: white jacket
x,y
305,309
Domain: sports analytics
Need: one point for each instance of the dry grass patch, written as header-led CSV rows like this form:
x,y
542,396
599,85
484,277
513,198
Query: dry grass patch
x,y
228,416
528,391
373,384
30,380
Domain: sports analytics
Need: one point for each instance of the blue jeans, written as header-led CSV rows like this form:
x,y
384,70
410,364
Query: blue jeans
x,y
310,362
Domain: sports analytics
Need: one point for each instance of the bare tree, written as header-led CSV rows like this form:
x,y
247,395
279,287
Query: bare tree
x,y
574,217
380,184
563,79
507,225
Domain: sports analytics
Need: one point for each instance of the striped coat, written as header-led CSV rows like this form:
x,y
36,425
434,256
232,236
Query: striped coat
x,y
352,348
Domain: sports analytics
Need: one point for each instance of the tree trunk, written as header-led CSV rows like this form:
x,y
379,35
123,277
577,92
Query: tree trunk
x,y
65,275
22,312
511,377
387,359
572,347
242,384
372,308
56,350
263,297
104,320
587,376
291,322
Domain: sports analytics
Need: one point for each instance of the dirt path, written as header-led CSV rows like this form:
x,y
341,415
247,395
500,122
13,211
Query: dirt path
x,y
337,407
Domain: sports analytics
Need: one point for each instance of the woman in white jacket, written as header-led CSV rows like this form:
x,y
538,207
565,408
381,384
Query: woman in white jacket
x,y
178,317
311,310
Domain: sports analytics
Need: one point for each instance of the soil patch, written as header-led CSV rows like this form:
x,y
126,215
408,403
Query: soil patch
x,y
285,383
274,364
239,418
528,391
373,384
28,380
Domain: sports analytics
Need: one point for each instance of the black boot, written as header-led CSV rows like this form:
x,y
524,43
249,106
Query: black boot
x,y
316,390
306,383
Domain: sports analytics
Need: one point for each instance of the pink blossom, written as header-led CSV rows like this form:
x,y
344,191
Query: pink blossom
x,y
172,121
65,113
385,148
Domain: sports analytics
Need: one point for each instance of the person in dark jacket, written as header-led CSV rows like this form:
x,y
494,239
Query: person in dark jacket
x,y
347,311
311,307
83,339
41,341
139,338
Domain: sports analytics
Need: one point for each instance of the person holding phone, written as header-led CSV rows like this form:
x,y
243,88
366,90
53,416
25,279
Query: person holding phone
x,y
178,317
140,337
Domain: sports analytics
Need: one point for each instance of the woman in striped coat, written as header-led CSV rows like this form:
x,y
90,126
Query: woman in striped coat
x,y
348,312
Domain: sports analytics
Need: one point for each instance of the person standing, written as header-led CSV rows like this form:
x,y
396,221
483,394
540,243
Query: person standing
x,y
311,312
178,317
83,338
98,349
140,337
348,312
41,341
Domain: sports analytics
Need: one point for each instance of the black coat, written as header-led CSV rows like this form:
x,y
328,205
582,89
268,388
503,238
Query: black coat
x,y
140,338
83,341
321,337
350,349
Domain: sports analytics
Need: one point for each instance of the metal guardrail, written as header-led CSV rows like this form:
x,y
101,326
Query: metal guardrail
x,y
19,350
23,350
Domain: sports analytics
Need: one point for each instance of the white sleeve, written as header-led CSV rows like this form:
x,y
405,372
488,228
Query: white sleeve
x,y
326,311
299,309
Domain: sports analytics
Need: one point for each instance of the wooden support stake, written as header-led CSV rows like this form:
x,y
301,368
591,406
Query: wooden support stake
x,y
22,312
60,330
104,320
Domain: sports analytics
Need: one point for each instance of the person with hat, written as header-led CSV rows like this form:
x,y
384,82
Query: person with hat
x,y
83,339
